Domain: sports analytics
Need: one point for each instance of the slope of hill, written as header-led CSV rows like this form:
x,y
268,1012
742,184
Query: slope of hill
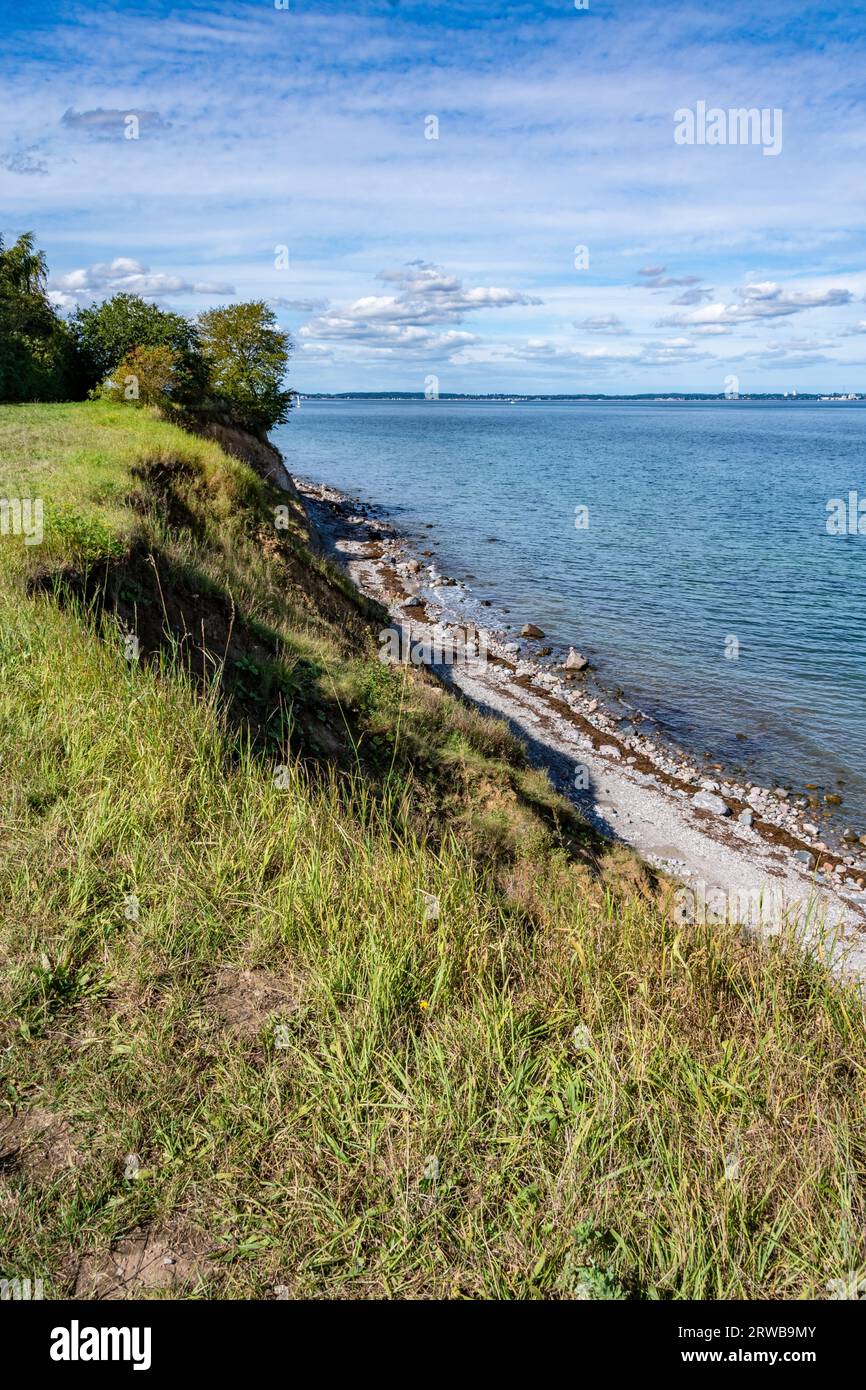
x,y
311,986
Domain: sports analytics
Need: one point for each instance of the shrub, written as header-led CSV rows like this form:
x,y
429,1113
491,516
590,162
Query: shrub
x,y
146,376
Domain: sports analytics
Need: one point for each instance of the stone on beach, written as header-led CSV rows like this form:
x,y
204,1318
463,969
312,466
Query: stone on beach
x,y
575,661
706,801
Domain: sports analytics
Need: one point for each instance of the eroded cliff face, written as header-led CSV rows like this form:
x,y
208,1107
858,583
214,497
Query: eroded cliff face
x,y
258,452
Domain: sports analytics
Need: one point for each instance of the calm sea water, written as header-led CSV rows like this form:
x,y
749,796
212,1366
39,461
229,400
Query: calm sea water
x,y
707,522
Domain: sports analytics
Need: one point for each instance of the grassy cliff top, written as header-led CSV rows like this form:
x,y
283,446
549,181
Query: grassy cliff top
x,y
309,983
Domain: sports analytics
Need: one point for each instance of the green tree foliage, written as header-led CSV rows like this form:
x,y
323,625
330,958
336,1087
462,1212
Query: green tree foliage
x,y
232,360
146,376
247,356
38,359
108,333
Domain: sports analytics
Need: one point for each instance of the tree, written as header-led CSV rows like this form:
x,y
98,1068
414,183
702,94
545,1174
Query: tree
x,y
247,356
38,359
146,376
107,333
233,359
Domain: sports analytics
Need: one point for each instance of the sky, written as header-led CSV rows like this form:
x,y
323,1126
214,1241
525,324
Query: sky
x,y
460,196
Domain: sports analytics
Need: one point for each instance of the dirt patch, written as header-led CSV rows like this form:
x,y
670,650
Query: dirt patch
x,y
244,1000
141,1264
258,452
37,1142
392,585
417,611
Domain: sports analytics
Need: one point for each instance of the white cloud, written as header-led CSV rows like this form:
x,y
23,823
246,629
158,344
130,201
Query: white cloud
x,y
658,281
236,155
299,306
596,359
602,323
25,160
111,123
122,275
693,296
766,300
427,296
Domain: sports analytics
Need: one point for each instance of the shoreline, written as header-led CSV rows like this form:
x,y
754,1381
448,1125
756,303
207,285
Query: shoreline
x,y
737,849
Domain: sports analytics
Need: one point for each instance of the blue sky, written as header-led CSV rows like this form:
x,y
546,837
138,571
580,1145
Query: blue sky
x,y
455,257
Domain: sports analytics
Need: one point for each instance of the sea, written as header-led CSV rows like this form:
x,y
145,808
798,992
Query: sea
x,y
707,557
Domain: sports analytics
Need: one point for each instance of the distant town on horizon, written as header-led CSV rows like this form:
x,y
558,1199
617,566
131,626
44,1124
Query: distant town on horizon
x,y
515,397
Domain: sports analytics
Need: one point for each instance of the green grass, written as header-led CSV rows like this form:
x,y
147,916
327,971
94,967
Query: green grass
x,y
215,954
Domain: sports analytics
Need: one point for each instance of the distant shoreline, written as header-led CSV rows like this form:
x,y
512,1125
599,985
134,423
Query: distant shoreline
x,y
645,397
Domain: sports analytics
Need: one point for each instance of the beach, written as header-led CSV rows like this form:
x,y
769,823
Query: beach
x,y
734,850
681,547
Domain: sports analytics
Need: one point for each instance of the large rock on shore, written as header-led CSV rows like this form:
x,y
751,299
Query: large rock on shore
x,y
575,661
706,801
